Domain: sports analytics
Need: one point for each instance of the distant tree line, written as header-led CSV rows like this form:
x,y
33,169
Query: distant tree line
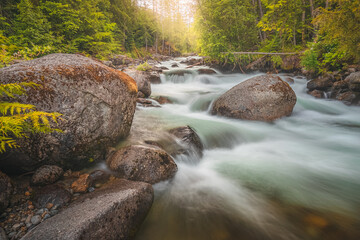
x,y
328,29
31,28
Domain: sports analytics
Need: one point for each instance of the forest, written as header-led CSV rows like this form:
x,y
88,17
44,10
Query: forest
x,y
327,30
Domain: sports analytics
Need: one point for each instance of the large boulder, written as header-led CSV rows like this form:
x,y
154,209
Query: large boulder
x,y
142,79
116,211
97,103
6,190
142,163
262,98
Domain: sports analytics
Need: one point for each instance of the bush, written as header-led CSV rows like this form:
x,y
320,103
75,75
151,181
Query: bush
x,y
144,67
310,60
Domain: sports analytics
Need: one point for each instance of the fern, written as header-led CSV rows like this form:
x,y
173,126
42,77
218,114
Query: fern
x,y
17,120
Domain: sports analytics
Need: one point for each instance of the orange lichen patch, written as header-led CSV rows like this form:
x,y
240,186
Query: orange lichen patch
x,y
129,81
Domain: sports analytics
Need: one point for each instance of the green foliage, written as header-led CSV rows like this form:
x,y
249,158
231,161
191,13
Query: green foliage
x,y
276,61
144,67
226,26
17,120
310,59
341,25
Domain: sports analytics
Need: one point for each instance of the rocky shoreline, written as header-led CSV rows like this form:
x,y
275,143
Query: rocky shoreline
x,y
39,203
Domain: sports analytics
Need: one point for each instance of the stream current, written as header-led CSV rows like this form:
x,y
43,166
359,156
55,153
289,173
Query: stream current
x,y
295,178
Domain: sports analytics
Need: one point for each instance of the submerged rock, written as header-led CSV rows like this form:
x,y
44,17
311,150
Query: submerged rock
x,y
189,140
97,103
142,163
6,190
262,98
47,174
116,211
207,71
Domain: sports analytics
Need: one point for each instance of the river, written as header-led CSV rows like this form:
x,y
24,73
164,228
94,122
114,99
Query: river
x,y
295,178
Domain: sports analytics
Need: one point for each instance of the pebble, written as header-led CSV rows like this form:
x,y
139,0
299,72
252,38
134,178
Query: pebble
x,y
49,205
40,211
28,225
35,219
91,189
47,216
31,207
28,219
16,226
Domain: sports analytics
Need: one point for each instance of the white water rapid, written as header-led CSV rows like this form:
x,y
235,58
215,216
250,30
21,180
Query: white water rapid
x,y
295,178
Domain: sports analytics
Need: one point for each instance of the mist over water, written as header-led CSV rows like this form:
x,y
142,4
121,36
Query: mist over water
x,y
295,178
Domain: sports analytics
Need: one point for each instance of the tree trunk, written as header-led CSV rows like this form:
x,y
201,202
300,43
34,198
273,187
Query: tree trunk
x,y
263,35
303,17
312,9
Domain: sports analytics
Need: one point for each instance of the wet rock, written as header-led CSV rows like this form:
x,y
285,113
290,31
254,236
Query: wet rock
x,y
323,83
114,212
162,100
262,98
54,194
178,72
174,65
47,174
317,93
142,79
98,177
192,61
147,103
289,80
189,140
141,163
164,68
81,184
97,103
6,190
35,220
207,71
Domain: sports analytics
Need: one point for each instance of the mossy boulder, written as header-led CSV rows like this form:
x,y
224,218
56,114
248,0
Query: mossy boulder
x,y
97,103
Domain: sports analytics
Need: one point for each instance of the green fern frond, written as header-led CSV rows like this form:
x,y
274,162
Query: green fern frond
x,y
12,89
15,108
17,120
6,141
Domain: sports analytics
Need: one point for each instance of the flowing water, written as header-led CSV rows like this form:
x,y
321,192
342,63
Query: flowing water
x,y
295,178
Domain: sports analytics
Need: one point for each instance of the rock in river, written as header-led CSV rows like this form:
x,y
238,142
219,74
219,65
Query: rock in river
x,y
262,98
113,212
141,163
97,103
142,80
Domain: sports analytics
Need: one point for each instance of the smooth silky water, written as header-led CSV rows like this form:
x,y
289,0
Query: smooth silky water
x,y
295,178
